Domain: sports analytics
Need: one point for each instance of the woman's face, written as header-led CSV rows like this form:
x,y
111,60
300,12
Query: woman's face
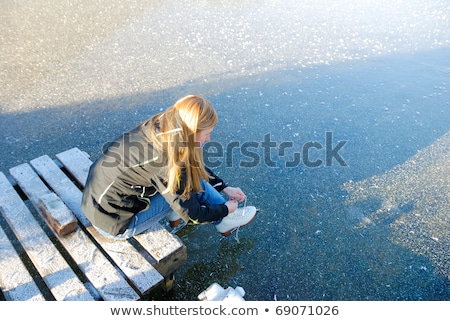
x,y
203,136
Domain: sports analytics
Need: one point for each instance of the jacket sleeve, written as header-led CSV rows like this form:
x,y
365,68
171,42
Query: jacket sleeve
x,y
191,208
216,181
196,211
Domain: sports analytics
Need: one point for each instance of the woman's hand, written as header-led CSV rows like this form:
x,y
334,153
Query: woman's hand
x,y
232,205
234,193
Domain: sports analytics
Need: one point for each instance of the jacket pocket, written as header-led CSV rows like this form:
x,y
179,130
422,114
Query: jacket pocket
x,y
134,203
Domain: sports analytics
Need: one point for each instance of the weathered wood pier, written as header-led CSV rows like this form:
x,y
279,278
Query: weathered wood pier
x,y
50,251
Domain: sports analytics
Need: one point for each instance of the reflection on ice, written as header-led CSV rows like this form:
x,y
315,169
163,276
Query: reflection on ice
x,y
413,200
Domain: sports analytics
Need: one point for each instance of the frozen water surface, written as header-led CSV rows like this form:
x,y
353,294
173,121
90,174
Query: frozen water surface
x,y
371,224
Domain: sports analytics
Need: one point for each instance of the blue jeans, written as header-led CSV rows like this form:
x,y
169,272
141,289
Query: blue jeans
x,y
159,209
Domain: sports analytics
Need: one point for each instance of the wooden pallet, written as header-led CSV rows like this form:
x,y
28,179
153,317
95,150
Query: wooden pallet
x,y
40,205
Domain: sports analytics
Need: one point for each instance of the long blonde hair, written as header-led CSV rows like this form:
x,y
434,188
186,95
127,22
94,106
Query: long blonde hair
x,y
174,134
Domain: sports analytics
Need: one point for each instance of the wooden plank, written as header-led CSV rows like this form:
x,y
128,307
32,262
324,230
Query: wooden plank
x,y
55,271
139,271
64,221
108,282
77,162
57,214
166,250
15,281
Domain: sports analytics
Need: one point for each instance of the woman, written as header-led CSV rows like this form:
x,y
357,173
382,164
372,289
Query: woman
x,y
157,169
